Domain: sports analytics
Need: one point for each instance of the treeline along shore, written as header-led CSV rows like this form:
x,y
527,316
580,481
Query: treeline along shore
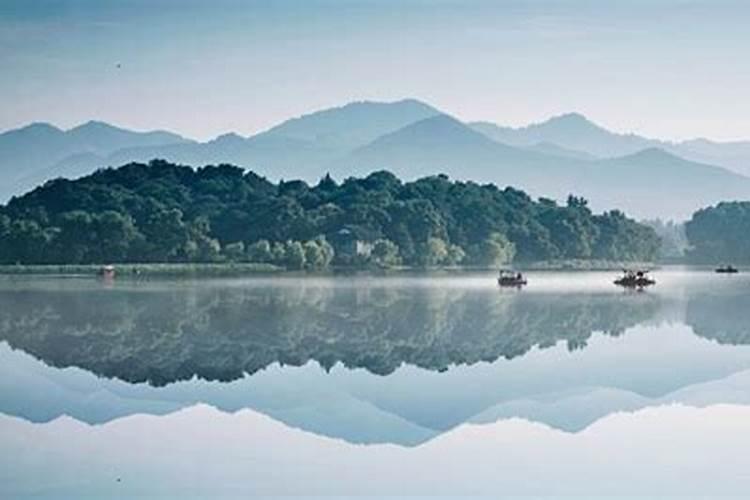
x,y
165,213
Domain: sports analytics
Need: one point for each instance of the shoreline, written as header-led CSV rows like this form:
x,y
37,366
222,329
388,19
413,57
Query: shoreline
x,y
248,269
142,270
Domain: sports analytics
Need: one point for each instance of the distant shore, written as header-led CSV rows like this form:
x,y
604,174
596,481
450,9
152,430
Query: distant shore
x,y
227,269
587,265
155,269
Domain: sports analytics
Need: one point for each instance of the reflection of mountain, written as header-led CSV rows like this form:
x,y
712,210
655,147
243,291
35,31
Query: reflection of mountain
x,y
142,333
666,452
301,397
164,332
568,391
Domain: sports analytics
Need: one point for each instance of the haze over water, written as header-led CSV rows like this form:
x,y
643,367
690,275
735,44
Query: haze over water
x,y
408,385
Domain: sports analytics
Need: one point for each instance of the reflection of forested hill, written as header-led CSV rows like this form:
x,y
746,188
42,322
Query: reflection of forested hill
x,y
724,317
162,334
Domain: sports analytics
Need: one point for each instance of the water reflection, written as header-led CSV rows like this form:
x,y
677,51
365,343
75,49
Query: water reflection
x,y
721,314
405,360
163,333
473,384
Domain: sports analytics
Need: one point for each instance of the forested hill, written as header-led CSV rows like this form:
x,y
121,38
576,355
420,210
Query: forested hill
x,y
162,212
719,234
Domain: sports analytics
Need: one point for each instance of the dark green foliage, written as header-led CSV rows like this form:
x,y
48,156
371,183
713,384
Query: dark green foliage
x,y
720,234
235,252
494,251
616,234
162,212
314,254
385,253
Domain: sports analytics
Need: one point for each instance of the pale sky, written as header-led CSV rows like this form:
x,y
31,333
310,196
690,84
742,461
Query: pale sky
x,y
669,69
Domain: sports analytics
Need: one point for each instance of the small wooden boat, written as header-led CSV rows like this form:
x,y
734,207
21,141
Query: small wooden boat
x,y
727,270
511,279
634,279
107,272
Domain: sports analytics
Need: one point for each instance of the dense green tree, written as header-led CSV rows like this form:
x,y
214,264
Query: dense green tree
x,y
623,239
278,253
720,234
385,253
160,212
27,241
166,236
260,251
327,252
314,256
200,246
455,255
75,239
115,233
327,184
413,222
235,251
433,252
494,251
294,255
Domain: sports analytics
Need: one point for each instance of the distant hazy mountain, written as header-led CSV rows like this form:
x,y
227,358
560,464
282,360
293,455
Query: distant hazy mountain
x,y
549,148
102,138
348,127
300,147
653,182
648,183
575,132
570,131
733,155
563,155
442,144
30,155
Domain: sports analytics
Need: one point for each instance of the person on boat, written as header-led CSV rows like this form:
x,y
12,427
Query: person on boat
x,y
635,279
510,278
728,269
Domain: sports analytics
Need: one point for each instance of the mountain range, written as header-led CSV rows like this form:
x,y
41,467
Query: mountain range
x,y
575,134
567,154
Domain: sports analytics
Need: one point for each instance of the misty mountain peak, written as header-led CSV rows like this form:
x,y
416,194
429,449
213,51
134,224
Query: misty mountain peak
x,y
653,154
571,122
94,124
95,128
572,131
571,117
441,128
441,122
352,125
37,128
228,138
402,104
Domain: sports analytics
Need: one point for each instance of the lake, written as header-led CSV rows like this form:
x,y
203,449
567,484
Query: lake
x,y
375,386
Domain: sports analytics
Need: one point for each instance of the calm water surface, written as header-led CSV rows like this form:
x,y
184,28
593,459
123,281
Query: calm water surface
x,y
395,386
